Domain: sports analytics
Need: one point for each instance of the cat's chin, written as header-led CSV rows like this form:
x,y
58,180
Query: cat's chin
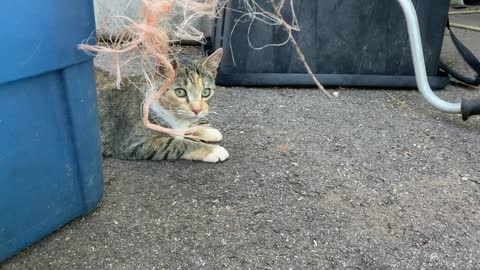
x,y
196,118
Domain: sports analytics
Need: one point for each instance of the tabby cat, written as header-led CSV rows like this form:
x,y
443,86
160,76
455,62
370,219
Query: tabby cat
x,y
183,105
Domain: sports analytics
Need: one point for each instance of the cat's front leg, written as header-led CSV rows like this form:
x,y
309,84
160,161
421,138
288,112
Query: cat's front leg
x,y
204,152
208,134
161,148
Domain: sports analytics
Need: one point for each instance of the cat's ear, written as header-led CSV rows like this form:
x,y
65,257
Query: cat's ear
x,y
212,62
162,69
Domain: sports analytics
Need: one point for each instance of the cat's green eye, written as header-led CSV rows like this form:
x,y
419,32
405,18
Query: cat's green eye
x,y
180,92
206,92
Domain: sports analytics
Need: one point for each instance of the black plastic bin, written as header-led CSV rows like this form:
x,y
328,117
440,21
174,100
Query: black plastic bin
x,y
347,43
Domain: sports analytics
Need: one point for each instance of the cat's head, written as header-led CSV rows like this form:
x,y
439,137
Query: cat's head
x,y
193,89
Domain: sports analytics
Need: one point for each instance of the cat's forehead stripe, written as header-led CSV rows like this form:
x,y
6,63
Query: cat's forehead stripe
x,y
194,79
198,81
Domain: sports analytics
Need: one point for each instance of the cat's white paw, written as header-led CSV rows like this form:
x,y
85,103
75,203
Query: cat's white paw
x,y
218,154
210,135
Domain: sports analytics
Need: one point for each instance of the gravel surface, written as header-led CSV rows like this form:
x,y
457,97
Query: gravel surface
x,y
375,179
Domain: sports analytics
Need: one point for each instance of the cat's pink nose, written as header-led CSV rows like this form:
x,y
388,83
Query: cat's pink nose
x,y
196,111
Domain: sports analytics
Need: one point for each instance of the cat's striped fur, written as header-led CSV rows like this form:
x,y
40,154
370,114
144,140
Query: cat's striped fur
x,y
123,134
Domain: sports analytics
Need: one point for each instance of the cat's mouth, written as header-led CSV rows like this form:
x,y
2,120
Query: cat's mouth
x,y
193,117
198,116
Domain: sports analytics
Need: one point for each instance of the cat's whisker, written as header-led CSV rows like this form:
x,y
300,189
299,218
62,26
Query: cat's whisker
x,y
216,118
214,123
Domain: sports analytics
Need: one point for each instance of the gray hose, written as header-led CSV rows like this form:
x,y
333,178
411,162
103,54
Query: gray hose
x,y
419,61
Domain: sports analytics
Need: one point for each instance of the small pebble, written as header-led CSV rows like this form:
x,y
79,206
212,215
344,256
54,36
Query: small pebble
x,y
336,94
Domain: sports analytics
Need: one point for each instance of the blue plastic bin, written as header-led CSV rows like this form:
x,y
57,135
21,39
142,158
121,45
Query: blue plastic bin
x,y
50,158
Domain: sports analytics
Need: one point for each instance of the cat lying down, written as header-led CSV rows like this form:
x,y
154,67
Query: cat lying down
x,y
184,104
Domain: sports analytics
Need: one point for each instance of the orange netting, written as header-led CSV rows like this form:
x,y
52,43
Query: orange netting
x,y
148,40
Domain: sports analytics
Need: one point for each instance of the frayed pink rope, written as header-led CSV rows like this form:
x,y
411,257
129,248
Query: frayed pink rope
x,y
149,40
